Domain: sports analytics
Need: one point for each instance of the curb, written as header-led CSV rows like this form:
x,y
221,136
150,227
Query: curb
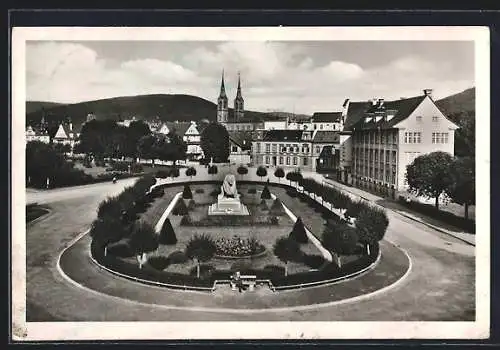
x,y
408,216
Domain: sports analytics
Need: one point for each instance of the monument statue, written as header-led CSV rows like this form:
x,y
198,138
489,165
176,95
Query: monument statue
x,y
228,200
228,188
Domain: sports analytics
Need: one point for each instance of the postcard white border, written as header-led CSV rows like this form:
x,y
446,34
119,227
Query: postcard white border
x,y
52,331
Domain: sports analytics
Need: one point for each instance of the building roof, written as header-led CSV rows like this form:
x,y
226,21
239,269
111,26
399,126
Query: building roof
x,y
327,117
179,127
324,136
402,109
283,135
241,139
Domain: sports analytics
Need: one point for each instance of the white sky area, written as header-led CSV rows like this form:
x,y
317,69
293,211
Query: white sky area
x,y
294,76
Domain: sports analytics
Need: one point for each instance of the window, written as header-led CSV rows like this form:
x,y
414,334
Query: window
x,y
382,141
445,137
281,160
413,137
267,159
419,118
435,119
294,160
268,148
234,149
305,160
317,150
258,147
416,137
287,160
439,137
321,126
274,148
394,157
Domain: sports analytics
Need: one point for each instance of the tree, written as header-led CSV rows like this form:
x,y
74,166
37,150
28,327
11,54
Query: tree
x,y
135,131
242,170
429,175
279,173
180,208
340,238
298,232
462,189
187,193
294,176
147,148
371,225
172,148
215,142
200,248
277,208
174,172
212,170
261,172
286,250
106,231
143,240
191,171
265,193
167,234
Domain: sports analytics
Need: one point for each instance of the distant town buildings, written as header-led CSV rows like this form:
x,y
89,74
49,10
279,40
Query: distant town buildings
x,y
33,134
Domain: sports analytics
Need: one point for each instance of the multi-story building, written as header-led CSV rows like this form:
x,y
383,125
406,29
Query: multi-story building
x,y
65,135
299,149
388,136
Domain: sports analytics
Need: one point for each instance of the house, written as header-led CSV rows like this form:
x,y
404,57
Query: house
x,y
36,135
65,135
240,145
299,149
388,135
189,133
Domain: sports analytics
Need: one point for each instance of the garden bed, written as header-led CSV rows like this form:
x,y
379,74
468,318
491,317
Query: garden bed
x,y
310,268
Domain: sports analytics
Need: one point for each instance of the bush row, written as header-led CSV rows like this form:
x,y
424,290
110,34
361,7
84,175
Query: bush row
x,y
228,220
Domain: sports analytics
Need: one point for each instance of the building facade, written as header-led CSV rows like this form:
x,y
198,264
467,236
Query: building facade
x,y
298,149
388,136
36,135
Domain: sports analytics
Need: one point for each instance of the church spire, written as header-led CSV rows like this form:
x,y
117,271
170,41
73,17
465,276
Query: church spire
x,y
222,87
222,107
238,93
239,102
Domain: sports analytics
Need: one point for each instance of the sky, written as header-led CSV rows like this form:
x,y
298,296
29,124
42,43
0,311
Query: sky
x,y
292,76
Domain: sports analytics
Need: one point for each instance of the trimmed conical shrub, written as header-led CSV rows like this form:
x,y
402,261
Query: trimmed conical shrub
x,y
187,194
277,208
265,193
263,205
167,234
180,208
299,232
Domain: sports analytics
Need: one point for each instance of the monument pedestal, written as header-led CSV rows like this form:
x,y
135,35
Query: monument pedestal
x,y
228,206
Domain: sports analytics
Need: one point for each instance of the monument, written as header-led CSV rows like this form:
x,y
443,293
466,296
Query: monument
x,y
228,200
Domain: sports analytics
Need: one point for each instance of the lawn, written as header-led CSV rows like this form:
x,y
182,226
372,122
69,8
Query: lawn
x,y
265,234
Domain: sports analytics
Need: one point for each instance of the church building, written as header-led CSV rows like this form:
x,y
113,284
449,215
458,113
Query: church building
x,y
223,113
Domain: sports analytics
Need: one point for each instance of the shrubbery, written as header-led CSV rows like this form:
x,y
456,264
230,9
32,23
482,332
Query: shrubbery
x,y
238,247
265,193
186,193
177,257
252,190
167,234
199,191
298,232
159,263
277,208
180,208
162,174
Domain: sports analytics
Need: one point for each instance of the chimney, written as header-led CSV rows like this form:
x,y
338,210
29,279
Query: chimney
x,y
428,92
380,102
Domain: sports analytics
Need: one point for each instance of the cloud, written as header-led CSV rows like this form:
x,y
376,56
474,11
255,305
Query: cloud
x,y
275,75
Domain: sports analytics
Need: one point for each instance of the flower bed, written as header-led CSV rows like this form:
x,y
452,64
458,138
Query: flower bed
x,y
237,247
228,220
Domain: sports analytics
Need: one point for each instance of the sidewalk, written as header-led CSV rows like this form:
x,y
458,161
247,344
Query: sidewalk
x,y
397,208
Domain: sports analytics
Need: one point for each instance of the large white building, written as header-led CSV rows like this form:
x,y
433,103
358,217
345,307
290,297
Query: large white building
x,y
388,135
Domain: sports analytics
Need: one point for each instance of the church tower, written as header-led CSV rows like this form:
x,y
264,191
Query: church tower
x,y
239,102
222,107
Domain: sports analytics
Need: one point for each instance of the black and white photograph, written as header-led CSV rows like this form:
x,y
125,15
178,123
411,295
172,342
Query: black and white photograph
x,y
250,183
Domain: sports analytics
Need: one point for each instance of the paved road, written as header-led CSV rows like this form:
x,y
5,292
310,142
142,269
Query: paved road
x,y
439,287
